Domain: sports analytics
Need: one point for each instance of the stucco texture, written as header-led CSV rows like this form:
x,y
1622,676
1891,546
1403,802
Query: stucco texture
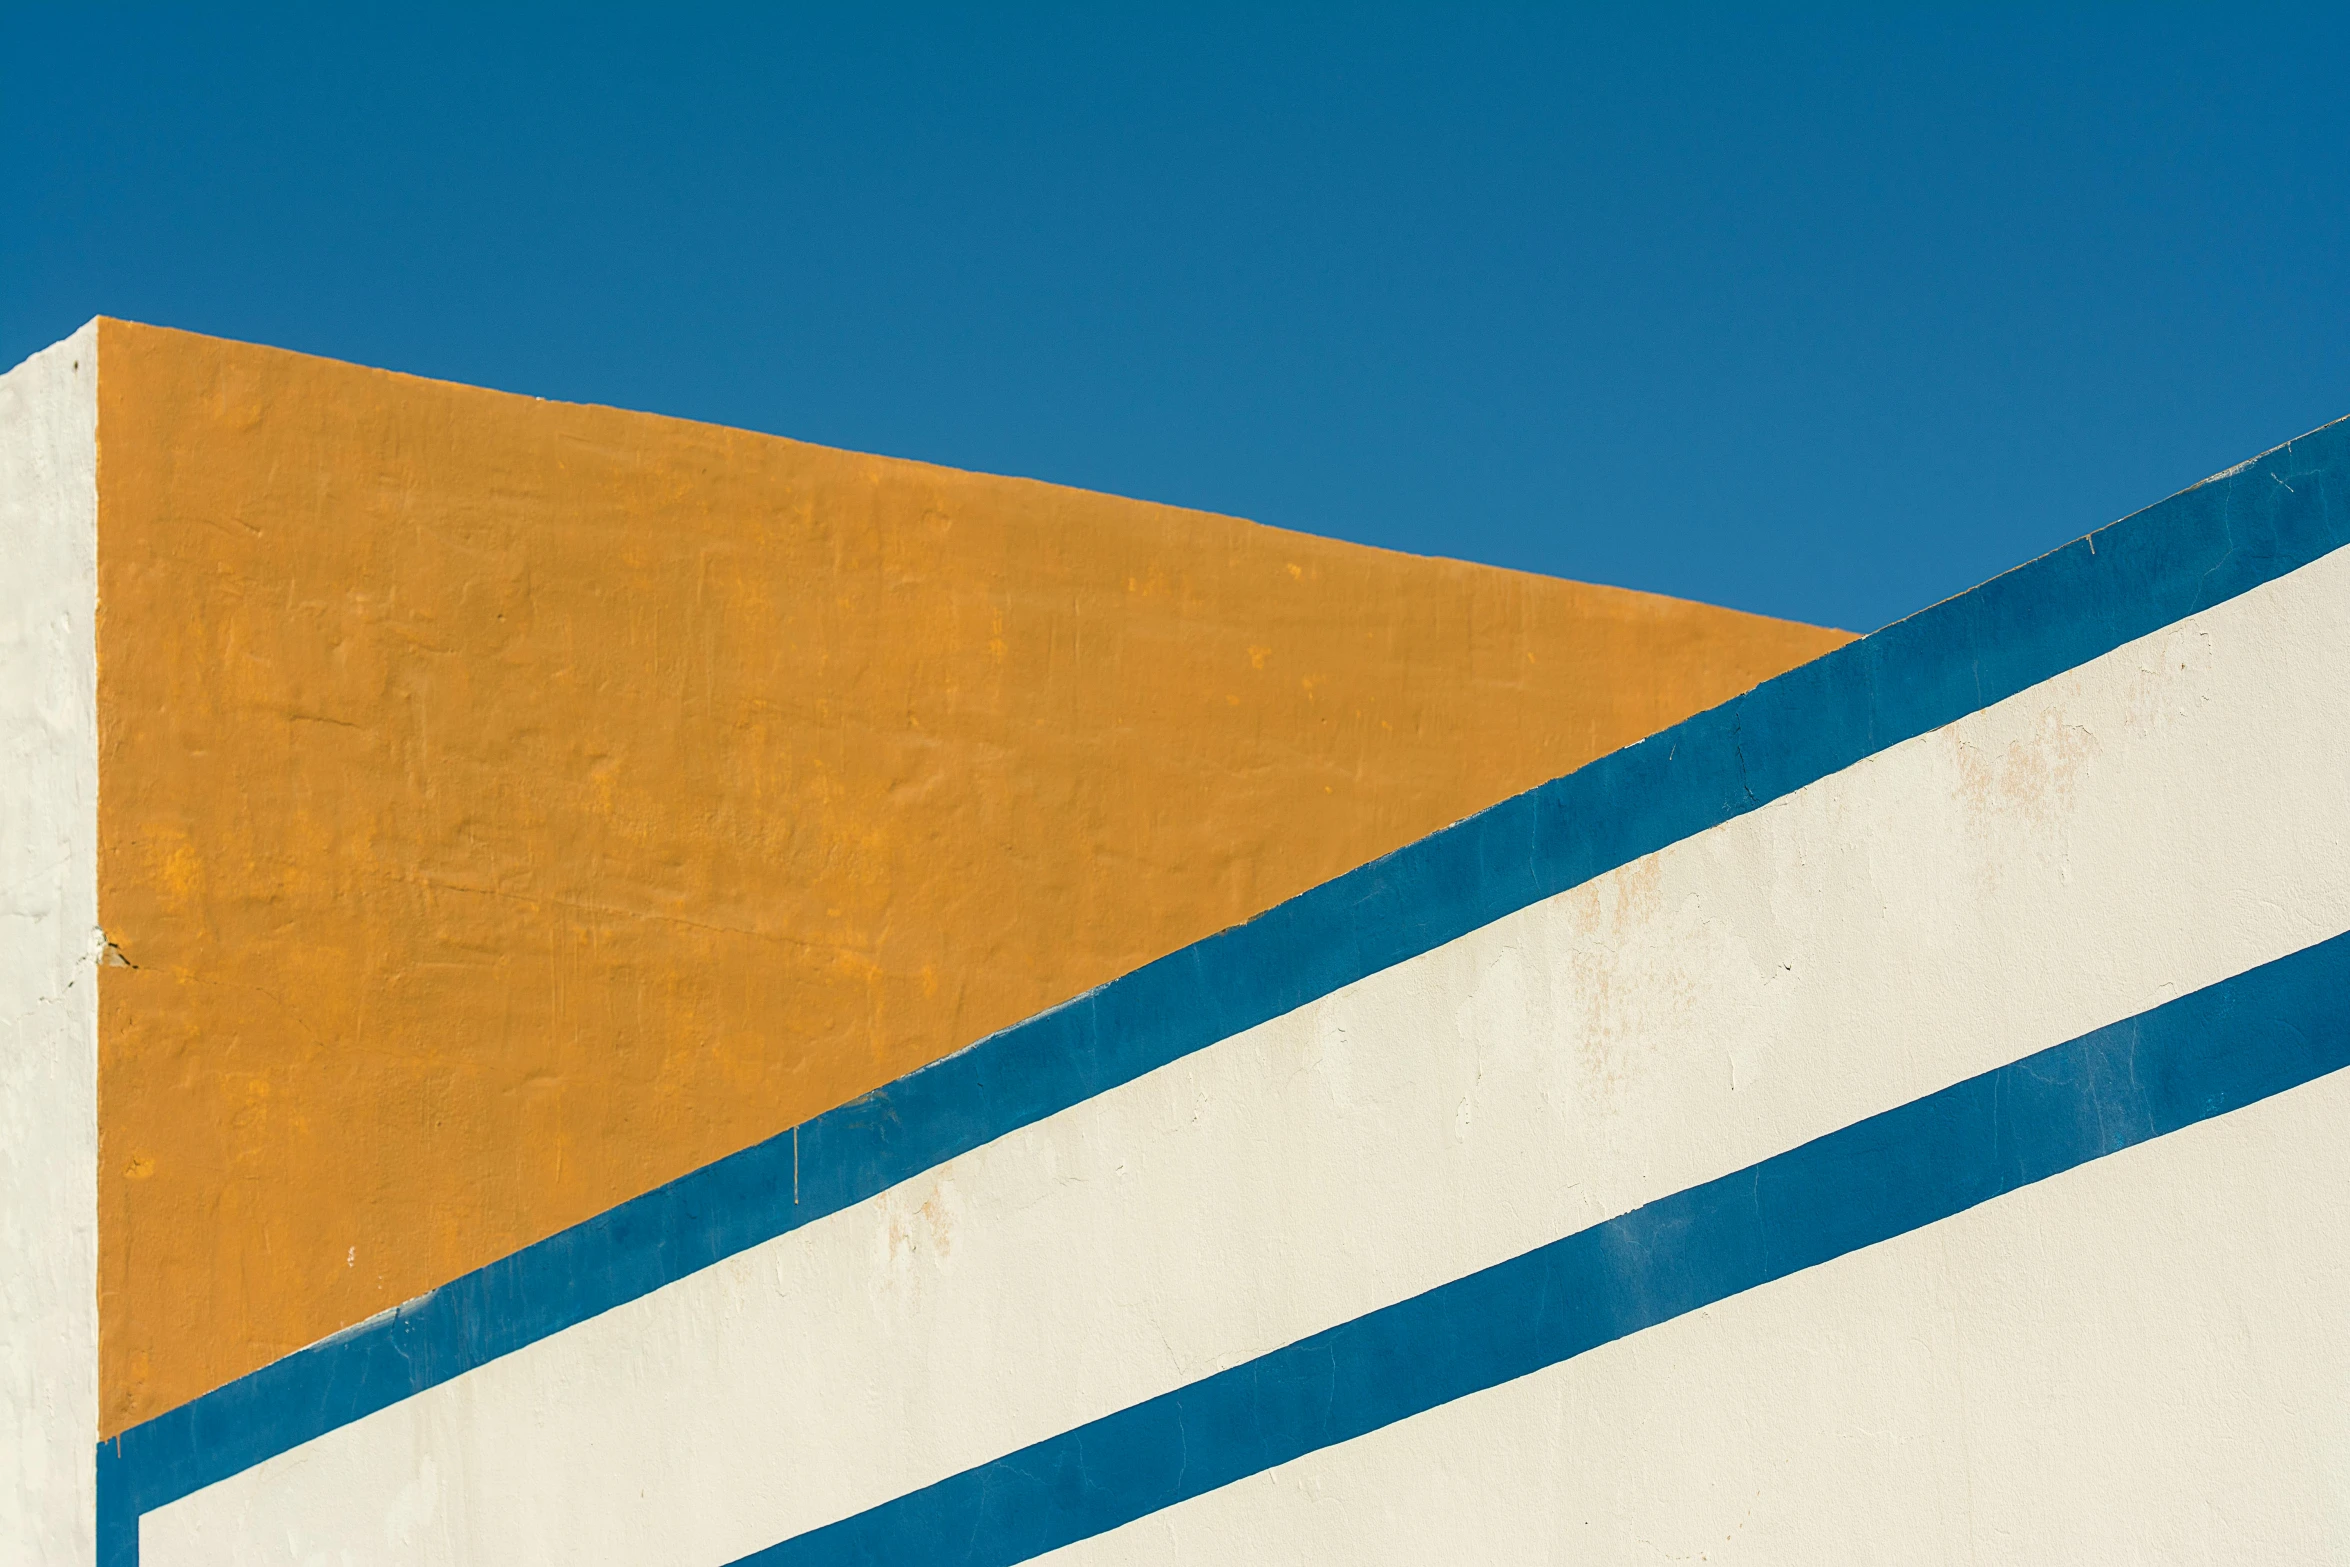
x,y
508,806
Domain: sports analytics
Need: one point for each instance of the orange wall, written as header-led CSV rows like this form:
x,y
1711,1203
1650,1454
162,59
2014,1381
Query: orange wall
x,y
507,806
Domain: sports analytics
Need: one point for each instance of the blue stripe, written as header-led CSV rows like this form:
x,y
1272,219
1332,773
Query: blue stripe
x,y
2197,549
2237,1042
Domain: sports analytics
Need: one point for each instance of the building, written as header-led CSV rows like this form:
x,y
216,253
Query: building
x,y
595,989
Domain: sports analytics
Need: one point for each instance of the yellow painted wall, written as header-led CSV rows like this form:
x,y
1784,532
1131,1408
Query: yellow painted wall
x,y
507,806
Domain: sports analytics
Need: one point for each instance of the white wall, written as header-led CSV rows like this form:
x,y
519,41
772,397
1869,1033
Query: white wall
x,y
2139,1360
2166,816
48,954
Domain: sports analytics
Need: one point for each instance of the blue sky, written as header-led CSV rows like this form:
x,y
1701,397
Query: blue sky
x,y
1819,313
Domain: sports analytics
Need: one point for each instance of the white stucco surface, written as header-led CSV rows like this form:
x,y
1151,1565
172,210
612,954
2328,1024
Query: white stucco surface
x,y
2140,1360
49,948
2162,818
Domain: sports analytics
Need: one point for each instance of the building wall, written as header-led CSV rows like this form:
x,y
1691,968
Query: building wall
x,y
2135,1361
49,951
510,806
1890,1116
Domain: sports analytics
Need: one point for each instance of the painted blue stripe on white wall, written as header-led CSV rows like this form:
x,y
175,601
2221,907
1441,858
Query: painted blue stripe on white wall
x,y
2233,1044
2201,548
2137,1360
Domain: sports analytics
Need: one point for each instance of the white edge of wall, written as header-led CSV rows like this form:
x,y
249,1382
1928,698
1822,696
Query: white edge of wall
x,y
49,953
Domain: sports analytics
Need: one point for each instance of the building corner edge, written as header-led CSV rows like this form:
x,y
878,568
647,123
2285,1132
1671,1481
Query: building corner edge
x,y
49,961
